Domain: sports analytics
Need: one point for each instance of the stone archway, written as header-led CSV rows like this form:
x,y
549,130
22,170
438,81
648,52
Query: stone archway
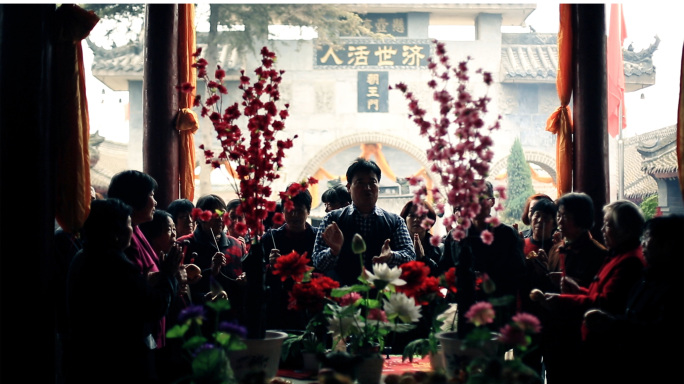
x,y
543,160
338,145
356,139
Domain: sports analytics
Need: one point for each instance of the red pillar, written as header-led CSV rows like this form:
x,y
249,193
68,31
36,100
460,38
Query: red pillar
x,y
590,106
160,100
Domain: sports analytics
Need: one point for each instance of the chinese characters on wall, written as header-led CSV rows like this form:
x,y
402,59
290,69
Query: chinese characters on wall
x,y
390,23
372,91
373,58
357,55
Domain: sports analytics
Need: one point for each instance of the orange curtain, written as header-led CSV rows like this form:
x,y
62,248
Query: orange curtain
x,y
560,121
187,123
680,129
71,121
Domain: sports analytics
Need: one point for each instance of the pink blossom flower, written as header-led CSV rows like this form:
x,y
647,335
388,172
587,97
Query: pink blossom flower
x,y
480,313
527,322
513,335
377,314
349,299
460,143
487,237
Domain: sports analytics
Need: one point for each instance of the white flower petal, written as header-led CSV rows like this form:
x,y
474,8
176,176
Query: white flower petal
x,y
403,306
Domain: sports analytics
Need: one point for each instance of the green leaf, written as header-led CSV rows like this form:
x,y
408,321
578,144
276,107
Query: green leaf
x,y
211,365
177,331
219,305
194,342
419,347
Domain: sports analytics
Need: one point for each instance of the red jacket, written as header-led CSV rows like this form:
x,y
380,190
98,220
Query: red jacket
x,y
610,288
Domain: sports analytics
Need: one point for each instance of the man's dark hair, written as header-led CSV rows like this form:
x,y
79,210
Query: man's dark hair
x,y
179,206
362,165
302,198
337,194
233,204
211,202
132,187
581,206
409,208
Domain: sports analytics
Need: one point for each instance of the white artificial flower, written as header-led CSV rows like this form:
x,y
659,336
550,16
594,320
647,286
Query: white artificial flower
x,y
449,318
403,306
382,272
345,325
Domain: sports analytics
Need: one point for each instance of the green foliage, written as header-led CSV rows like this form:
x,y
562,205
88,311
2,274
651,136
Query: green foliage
x,y
519,183
649,206
245,26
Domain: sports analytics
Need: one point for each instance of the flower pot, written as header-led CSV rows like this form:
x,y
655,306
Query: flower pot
x,y
457,356
437,360
261,355
369,370
309,361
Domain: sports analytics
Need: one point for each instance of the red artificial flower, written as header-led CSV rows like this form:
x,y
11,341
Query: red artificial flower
x,y
206,215
240,228
292,265
414,273
195,213
253,151
311,295
278,218
450,279
427,291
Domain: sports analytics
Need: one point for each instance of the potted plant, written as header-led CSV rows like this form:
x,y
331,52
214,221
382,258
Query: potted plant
x,y
358,317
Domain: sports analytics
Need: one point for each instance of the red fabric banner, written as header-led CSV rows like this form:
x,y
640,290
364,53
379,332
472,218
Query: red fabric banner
x,y
615,70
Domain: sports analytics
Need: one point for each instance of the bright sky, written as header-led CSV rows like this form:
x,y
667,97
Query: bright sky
x,y
643,21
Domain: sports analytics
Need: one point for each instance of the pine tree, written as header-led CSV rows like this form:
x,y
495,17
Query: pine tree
x,y
519,183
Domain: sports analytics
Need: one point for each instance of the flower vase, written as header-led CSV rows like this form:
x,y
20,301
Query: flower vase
x,y
437,361
369,368
255,303
457,356
309,362
262,356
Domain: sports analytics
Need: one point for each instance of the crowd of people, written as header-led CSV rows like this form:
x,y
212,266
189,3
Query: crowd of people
x,y
604,304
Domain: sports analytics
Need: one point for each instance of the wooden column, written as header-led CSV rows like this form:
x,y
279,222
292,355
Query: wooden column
x,y
27,209
590,106
160,100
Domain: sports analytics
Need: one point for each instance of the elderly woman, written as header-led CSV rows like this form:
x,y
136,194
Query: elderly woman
x,y
425,251
577,254
623,224
526,217
137,189
654,312
111,306
181,212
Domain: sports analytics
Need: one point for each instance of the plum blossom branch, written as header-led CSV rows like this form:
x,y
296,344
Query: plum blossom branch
x,y
460,143
255,153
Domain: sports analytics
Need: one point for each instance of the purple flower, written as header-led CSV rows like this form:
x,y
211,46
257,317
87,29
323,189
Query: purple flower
x,y
513,335
233,328
527,322
203,347
480,313
196,312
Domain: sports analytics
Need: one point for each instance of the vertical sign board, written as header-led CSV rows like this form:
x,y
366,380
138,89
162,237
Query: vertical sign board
x,y
372,91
